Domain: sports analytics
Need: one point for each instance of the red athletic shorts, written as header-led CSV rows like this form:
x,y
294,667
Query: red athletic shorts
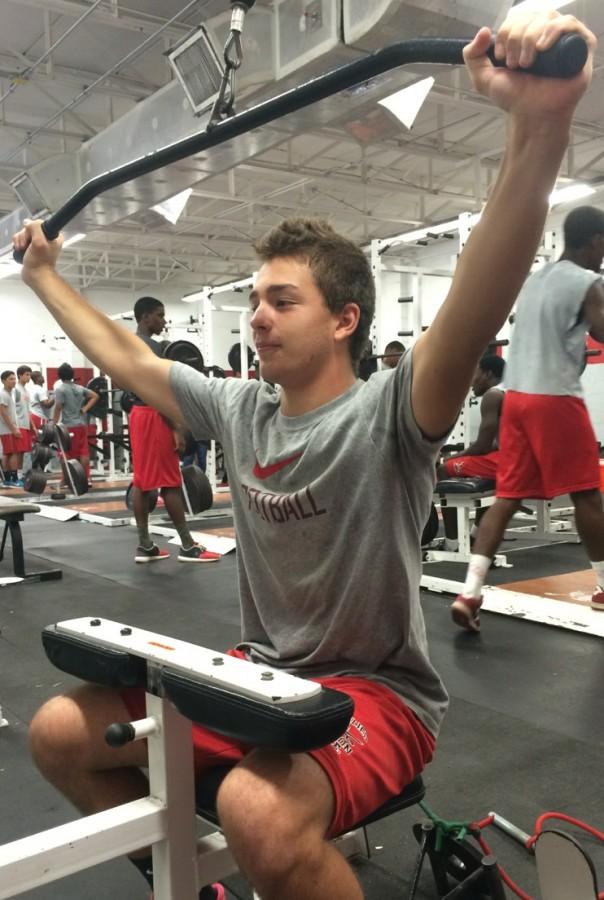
x,y
37,422
383,749
484,466
24,443
547,447
78,446
155,461
9,444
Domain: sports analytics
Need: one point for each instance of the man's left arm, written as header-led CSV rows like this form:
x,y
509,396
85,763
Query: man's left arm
x,y
92,399
498,255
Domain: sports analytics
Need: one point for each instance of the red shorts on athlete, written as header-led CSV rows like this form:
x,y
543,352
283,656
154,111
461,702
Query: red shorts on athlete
x,y
24,442
383,749
155,460
547,447
483,466
78,446
9,444
37,422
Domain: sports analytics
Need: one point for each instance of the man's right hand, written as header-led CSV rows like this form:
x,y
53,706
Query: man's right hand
x,y
16,431
519,39
40,253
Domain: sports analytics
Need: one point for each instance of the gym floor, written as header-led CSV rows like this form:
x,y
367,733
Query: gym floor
x,y
524,734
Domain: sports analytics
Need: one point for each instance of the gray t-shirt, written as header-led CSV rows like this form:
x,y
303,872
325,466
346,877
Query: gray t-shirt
x,y
548,342
72,397
7,400
36,394
329,508
22,406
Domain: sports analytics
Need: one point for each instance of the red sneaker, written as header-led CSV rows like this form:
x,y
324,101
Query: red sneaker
x,y
197,554
597,600
464,611
153,554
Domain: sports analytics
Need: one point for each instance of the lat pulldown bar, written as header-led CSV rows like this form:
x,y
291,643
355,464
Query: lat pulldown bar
x,y
564,60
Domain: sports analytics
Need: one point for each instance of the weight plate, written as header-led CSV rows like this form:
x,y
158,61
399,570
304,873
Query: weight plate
x,y
184,352
153,495
198,489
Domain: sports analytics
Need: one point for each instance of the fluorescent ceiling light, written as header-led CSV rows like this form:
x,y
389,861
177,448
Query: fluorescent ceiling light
x,y
418,234
74,239
124,315
237,287
570,192
540,5
406,103
195,296
171,209
239,309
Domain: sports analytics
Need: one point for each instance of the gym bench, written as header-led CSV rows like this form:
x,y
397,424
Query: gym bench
x,y
13,512
255,704
465,495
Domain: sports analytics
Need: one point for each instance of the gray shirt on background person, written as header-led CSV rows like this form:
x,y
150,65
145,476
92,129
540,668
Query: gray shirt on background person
x,y
547,347
38,393
329,509
22,404
7,400
71,398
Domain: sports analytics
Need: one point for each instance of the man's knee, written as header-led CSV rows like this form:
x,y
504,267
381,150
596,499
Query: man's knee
x,y
589,500
260,813
52,733
69,732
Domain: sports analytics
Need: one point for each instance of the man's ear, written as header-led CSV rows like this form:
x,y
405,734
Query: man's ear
x,y
347,321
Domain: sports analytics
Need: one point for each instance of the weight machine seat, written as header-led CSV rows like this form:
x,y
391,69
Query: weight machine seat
x,y
207,787
13,512
464,486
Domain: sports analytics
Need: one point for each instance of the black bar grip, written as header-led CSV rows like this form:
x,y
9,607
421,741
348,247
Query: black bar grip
x,y
564,60
49,234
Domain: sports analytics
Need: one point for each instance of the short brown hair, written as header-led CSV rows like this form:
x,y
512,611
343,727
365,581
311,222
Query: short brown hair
x,y
339,267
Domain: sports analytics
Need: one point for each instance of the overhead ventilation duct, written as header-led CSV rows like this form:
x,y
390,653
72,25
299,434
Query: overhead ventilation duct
x,y
285,45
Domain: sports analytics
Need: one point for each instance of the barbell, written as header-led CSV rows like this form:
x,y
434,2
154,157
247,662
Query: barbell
x,y
178,351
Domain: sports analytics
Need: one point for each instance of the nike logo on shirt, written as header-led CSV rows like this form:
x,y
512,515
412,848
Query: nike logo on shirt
x,y
263,472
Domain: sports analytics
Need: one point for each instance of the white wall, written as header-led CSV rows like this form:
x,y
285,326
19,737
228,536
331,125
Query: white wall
x,y
29,335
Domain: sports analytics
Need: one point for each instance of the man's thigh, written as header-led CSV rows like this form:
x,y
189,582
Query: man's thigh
x,y
383,749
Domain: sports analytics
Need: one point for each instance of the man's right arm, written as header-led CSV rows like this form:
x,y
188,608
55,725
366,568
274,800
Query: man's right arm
x,y
125,358
593,311
7,419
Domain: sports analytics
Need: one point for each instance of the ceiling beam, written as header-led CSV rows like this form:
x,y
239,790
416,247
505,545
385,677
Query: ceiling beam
x,y
142,23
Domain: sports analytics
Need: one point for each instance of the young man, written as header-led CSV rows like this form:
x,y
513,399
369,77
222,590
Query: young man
x,y
309,604
72,402
22,404
548,445
10,434
41,403
155,446
392,353
479,460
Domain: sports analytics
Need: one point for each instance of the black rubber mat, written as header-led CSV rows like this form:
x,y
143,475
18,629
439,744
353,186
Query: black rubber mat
x,y
524,734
